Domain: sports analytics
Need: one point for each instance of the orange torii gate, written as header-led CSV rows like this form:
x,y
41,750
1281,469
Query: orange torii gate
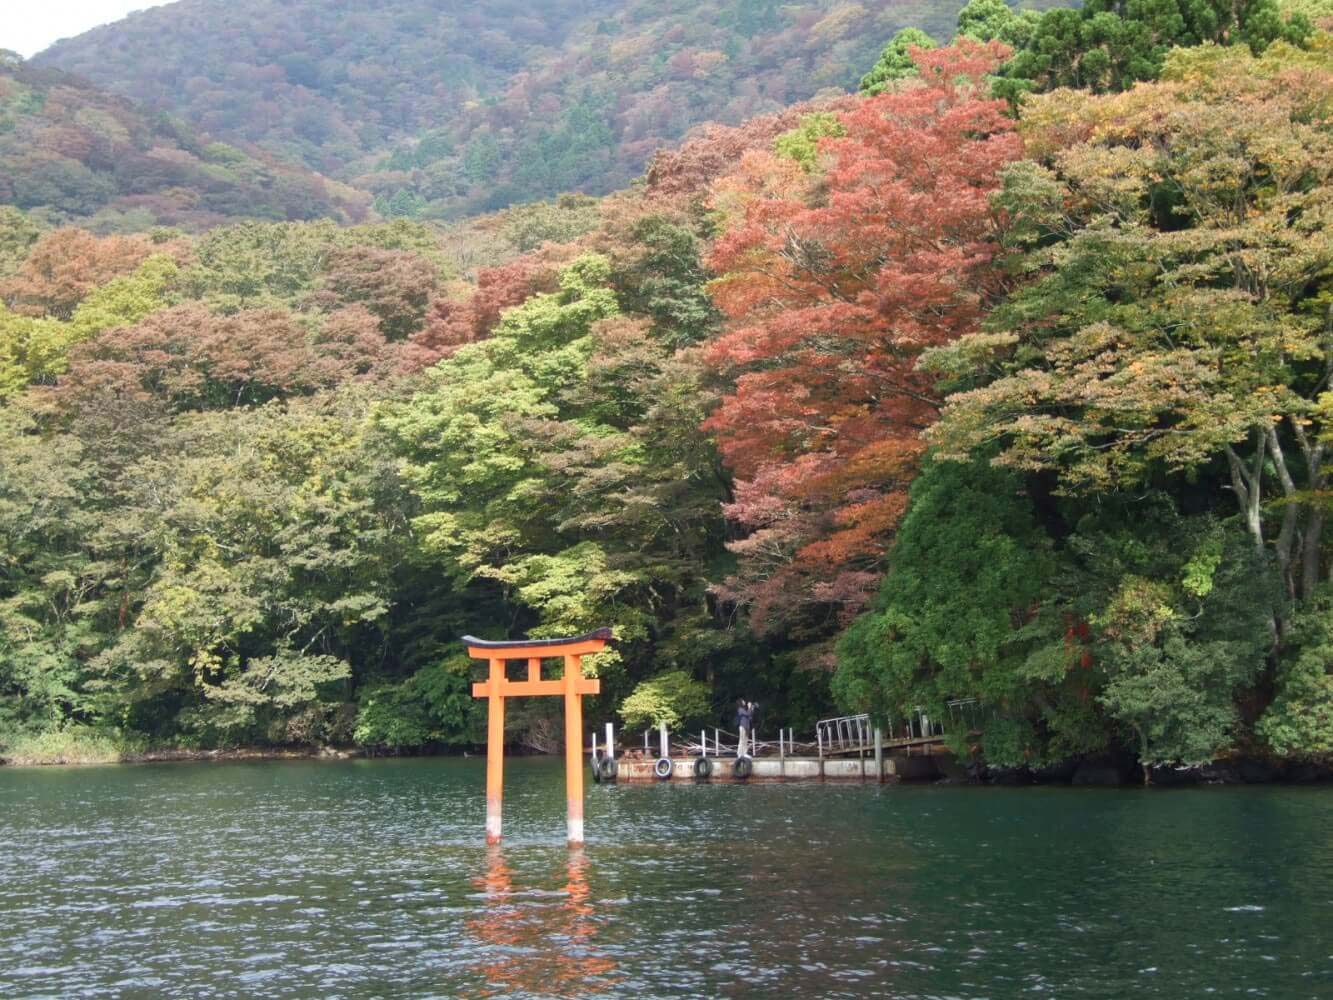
x,y
573,685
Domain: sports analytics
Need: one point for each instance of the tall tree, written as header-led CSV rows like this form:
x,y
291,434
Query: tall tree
x,y
1182,312
1109,45
833,283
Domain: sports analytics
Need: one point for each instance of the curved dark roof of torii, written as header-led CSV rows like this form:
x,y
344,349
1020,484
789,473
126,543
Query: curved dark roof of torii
x,y
602,633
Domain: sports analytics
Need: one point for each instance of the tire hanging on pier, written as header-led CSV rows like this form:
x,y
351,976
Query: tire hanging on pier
x,y
742,767
608,769
663,767
703,768
596,764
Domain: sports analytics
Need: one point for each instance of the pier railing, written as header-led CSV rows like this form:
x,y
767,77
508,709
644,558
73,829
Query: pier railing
x,y
839,736
845,734
848,734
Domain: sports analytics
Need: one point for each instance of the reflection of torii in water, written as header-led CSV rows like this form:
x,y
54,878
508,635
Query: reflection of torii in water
x,y
542,949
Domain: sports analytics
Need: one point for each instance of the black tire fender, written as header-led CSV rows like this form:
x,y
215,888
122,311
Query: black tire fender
x,y
608,769
703,768
663,767
742,768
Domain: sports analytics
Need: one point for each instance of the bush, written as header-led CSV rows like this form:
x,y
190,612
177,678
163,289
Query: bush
x,y
72,745
434,705
673,697
1299,723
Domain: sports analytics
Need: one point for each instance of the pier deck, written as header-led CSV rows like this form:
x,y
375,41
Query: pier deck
x,y
895,767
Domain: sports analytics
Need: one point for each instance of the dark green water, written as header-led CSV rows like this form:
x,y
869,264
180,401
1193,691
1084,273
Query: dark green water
x,y
368,878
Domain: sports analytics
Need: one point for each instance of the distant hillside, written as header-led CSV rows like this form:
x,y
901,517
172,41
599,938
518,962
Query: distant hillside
x,y
71,152
446,107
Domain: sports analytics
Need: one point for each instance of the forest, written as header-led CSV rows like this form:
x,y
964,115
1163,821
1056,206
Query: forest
x,y
72,153
441,110
1003,377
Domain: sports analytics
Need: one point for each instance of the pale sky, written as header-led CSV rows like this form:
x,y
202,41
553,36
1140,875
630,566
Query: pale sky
x,y
28,26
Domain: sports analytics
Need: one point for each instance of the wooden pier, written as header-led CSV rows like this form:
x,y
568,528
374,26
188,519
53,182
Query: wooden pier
x,y
846,749
891,768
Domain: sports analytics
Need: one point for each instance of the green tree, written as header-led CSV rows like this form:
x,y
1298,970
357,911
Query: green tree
x,y
472,446
18,233
481,158
1074,629
1182,634
1299,722
559,465
672,697
895,62
1178,318
1108,46
802,143
988,20
659,274
57,582
273,534
962,614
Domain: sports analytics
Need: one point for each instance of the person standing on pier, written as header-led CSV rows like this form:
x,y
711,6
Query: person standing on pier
x,y
744,722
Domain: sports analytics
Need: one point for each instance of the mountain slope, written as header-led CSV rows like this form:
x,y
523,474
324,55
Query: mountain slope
x,y
73,152
442,108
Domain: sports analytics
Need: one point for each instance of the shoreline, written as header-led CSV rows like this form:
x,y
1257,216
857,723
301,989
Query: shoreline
x,y
1086,773
179,755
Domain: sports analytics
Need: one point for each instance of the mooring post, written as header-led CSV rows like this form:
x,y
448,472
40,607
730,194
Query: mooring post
x,y
879,754
663,744
594,748
703,742
495,751
573,731
610,741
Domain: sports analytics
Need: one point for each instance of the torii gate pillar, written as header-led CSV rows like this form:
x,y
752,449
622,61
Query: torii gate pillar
x,y
573,686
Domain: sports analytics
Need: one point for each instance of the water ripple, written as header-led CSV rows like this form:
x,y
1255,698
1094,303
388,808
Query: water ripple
x,y
367,879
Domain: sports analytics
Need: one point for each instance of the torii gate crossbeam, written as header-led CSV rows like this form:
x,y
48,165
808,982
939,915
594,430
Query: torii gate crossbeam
x,y
573,686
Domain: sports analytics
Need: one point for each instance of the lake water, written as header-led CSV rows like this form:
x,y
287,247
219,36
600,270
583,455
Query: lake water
x,y
370,879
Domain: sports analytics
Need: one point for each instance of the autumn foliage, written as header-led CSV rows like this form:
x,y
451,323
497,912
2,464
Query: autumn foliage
x,y
833,283
67,264
453,322
188,358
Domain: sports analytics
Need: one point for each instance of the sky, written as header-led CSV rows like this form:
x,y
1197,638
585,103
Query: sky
x,y
28,26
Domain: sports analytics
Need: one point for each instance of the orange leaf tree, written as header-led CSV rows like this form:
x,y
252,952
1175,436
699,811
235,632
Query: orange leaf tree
x,y
834,280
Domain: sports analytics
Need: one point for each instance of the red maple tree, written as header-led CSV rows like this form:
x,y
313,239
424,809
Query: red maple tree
x,y
452,323
833,282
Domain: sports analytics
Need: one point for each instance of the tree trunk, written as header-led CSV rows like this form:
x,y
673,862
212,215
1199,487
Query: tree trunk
x,y
1312,549
1288,535
1248,487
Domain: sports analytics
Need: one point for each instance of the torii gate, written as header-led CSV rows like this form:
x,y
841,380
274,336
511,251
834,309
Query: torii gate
x,y
573,686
